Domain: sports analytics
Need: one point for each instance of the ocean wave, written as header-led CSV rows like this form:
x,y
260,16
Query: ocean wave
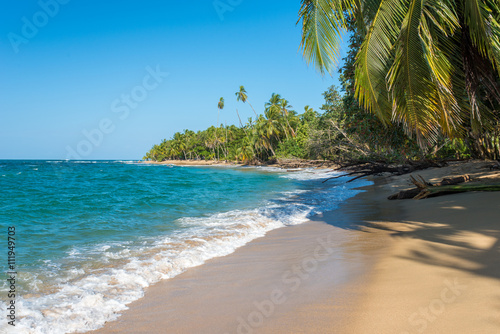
x,y
311,174
83,162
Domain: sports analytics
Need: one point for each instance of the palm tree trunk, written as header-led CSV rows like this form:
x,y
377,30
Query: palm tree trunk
x,y
252,109
271,147
225,143
286,132
241,124
289,126
216,134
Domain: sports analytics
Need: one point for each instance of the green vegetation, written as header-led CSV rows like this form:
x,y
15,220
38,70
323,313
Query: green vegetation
x,y
420,81
428,67
277,132
339,132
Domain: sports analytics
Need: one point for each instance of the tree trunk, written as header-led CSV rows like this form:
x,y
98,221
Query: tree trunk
x,y
252,109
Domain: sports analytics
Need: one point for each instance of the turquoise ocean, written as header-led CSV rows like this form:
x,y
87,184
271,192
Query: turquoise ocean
x,y
91,236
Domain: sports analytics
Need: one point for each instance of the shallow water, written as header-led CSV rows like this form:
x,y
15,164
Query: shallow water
x,y
92,235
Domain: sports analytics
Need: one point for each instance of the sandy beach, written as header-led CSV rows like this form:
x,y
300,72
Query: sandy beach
x,y
372,266
441,272
191,163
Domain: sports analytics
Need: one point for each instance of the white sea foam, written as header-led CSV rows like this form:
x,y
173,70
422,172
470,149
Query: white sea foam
x,y
83,301
312,174
128,161
73,252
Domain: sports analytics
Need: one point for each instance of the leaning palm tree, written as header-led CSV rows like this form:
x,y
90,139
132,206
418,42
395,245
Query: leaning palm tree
x,y
432,66
242,96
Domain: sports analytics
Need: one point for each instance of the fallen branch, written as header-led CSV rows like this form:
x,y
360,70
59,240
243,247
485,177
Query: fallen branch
x,y
453,180
422,186
364,150
444,190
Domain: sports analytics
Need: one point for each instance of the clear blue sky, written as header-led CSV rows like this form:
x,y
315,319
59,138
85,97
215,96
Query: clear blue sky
x,y
69,68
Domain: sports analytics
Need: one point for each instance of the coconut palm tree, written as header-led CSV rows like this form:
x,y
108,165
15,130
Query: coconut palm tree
x,y
242,96
210,141
245,151
287,114
220,106
179,144
267,132
273,109
432,66
278,108
274,101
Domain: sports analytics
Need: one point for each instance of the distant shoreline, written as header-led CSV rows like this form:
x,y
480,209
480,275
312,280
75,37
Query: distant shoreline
x,y
281,163
192,163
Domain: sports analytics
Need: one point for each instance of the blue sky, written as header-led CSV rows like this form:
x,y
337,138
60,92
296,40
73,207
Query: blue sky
x,y
78,76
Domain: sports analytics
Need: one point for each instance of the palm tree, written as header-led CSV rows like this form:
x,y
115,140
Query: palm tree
x,y
211,140
273,109
220,106
245,151
179,144
284,107
432,66
267,132
278,108
243,97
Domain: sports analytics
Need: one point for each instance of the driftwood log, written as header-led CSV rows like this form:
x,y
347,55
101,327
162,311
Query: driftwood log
x,y
446,186
421,185
452,189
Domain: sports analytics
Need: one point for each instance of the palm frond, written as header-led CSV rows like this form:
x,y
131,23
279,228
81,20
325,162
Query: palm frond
x,y
373,58
323,23
438,23
414,104
481,19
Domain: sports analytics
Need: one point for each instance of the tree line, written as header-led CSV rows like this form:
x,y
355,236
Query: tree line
x,y
337,132
420,80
